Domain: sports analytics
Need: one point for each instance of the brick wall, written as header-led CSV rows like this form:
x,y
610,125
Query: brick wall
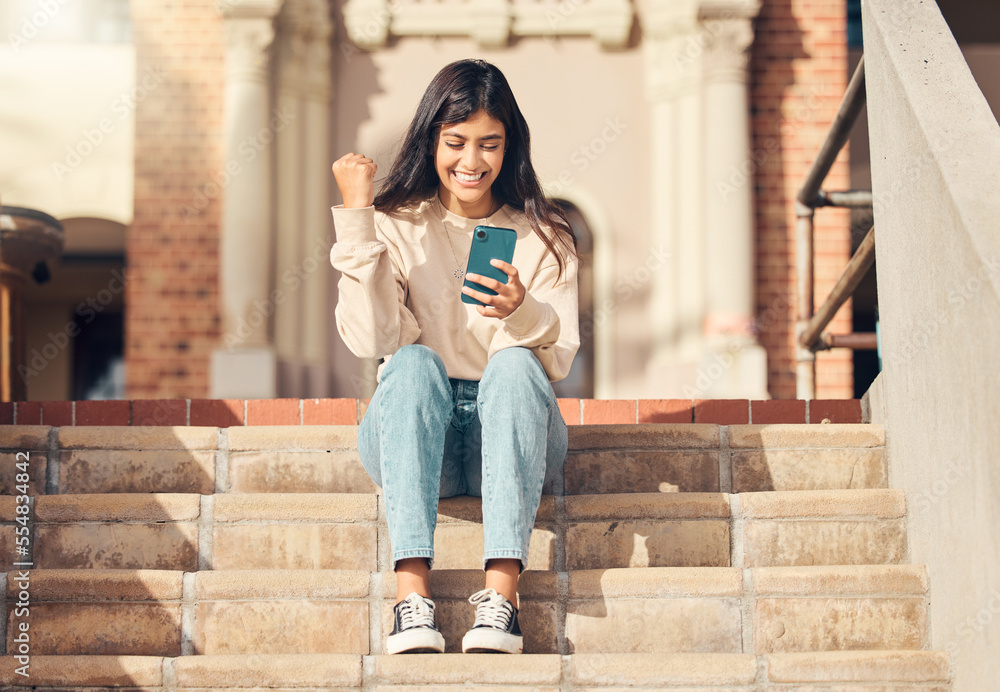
x,y
798,78
172,318
224,413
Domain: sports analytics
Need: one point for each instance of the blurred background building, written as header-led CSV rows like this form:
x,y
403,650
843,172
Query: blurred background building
x,y
185,147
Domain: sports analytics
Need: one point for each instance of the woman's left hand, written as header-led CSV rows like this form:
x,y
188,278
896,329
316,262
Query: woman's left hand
x,y
509,295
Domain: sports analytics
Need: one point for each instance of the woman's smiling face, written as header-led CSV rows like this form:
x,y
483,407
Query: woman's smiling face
x,y
468,158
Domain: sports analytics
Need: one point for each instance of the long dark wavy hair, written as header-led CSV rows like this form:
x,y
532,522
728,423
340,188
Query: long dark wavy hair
x,y
459,90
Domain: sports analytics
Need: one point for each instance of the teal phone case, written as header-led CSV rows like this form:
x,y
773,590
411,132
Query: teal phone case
x,y
489,243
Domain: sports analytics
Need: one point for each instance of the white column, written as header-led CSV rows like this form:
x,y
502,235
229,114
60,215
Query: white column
x,y
728,178
291,71
732,349
318,233
703,300
673,80
244,366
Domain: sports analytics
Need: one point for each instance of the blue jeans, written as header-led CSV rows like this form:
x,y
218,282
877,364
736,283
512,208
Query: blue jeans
x,y
426,436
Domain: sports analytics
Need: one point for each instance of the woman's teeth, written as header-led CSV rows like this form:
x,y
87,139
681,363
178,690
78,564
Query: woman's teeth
x,y
468,178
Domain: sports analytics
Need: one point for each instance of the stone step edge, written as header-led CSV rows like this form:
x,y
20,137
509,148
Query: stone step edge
x,y
146,585
290,508
349,411
315,438
915,668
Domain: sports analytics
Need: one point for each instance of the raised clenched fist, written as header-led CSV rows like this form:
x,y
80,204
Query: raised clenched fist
x,y
355,175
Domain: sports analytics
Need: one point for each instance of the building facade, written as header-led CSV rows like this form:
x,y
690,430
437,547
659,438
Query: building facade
x,y
676,134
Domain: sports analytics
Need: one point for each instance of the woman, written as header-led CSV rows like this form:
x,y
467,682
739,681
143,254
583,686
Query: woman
x,y
464,403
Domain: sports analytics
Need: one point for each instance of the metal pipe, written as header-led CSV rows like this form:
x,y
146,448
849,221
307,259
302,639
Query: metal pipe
x,y
805,369
855,199
855,271
863,341
804,259
847,114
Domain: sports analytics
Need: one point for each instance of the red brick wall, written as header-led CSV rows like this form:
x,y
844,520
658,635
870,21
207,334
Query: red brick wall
x,y
226,413
172,314
798,75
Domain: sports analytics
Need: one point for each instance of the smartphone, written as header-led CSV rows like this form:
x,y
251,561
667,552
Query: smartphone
x,y
489,243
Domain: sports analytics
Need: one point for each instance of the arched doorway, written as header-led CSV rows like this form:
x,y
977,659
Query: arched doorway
x,y
74,321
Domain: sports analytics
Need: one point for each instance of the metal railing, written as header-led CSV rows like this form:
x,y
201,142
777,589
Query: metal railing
x,y
810,326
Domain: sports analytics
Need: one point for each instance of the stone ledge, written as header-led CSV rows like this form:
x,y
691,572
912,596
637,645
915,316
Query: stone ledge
x,y
642,670
836,504
292,437
280,584
24,438
656,582
456,669
253,670
647,506
783,436
464,509
644,436
859,666
97,585
86,671
840,580
463,688
462,583
295,507
138,437
479,671
123,507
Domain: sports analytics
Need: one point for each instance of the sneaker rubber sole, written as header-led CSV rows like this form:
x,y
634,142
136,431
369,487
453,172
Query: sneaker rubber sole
x,y
419,640
486,640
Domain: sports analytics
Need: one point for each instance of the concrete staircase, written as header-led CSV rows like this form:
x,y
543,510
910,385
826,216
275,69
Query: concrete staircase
x,y
666,557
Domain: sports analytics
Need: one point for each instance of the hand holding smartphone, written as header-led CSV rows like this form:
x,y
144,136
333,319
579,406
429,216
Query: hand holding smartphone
x,y
488,243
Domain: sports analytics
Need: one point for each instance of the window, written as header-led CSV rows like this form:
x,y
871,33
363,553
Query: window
x,y
854,36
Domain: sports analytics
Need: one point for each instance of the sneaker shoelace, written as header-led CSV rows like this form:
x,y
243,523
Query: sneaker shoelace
x,y
416,611
492,609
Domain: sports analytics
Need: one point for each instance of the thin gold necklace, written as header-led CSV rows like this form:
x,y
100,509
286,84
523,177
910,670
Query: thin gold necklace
x,y
459,273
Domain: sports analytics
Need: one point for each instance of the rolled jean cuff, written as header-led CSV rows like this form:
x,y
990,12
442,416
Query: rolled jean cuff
x,y
411,553
506,555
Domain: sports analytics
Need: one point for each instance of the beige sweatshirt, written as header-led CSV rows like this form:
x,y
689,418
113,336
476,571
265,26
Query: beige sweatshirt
x,y
399,287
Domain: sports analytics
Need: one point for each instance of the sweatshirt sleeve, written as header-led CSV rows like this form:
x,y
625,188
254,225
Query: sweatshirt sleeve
x,y
547,321
372,317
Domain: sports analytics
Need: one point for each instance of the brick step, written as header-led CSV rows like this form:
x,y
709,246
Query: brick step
x,y
238,412
910,670
308,459
665,610
344,531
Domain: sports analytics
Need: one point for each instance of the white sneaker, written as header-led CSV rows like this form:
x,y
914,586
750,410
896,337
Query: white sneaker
x,y
414,630
496,629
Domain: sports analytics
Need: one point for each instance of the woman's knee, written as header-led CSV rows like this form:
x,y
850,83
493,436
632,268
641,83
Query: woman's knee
x,y
416,361
515,375
514,362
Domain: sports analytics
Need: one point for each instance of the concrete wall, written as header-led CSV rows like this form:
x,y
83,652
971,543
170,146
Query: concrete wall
x,y
935,173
